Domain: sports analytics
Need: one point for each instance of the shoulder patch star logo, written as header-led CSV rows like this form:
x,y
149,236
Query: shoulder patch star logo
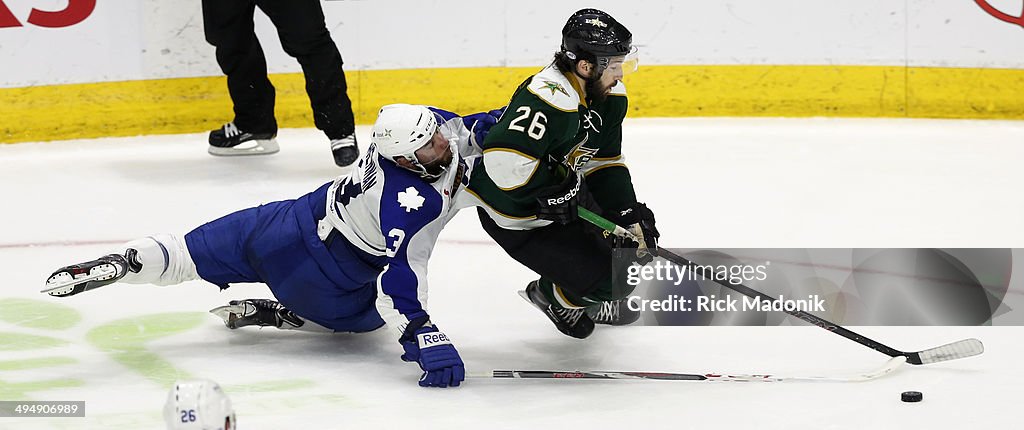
x,y
554,86
410,199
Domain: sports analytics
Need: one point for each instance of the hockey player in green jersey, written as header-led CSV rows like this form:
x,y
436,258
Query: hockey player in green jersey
x,y
557,147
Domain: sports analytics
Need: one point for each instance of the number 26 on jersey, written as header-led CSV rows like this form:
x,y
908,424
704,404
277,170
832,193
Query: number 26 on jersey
x,y
536,127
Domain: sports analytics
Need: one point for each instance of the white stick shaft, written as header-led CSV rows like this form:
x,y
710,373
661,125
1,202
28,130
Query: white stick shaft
x,y
890,366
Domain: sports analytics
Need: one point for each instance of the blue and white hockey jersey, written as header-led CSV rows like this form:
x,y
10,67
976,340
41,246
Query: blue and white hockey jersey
x,y
387,211
353,251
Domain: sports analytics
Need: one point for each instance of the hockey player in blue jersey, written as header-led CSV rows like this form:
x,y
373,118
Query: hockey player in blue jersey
x,y
347,257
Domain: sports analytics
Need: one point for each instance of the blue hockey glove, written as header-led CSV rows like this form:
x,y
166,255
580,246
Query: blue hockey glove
x,y
479,124
426,345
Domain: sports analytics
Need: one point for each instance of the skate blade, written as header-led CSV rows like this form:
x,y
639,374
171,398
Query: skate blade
x,y
525,296
252,147
229,314
65,285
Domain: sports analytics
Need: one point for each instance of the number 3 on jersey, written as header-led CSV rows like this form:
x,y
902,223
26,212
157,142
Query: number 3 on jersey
x,y
536,129
399,236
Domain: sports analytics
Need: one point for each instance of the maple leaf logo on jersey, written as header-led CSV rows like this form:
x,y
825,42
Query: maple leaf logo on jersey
x,y
554,86
596,22
410,199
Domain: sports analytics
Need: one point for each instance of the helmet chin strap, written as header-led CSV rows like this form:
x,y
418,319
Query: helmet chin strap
x,y
433,177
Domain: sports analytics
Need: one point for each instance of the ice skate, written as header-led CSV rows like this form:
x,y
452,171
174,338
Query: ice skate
x,y
258,312
345,150
616,312
571,322
230,140
77,278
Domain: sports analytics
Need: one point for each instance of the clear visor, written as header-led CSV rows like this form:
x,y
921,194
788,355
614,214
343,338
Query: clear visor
x,y
428,162
628,64
434,160
425,155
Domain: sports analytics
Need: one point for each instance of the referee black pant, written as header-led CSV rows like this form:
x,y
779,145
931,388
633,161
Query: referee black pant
x,y
228,25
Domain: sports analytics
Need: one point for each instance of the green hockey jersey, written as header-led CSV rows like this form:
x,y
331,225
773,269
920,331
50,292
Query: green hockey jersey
x,y
546,130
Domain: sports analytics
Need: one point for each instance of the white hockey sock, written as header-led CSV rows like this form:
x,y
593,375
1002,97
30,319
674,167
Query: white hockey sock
x,y
165,261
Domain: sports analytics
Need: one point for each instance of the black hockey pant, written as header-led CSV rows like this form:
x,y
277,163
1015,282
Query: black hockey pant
x,y
572,256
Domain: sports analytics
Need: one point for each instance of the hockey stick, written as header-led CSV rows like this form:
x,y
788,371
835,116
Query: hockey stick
x,y
890,366
952,351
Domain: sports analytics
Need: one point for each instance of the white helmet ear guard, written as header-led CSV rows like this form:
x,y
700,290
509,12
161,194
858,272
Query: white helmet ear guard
x,y
198,405
400,130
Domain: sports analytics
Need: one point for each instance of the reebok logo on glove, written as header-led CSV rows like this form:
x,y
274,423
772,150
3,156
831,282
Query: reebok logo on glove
x,y
568,196
427,340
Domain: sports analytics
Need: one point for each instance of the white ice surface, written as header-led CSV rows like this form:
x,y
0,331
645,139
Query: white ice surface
x,y
712,183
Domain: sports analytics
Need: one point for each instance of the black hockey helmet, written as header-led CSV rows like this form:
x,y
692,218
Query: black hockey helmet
x,y
595,36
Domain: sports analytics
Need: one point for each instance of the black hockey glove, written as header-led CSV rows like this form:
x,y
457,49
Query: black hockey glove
x,y
639,220
559,203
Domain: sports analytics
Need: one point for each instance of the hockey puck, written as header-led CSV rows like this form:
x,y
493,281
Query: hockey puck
x,y
911,396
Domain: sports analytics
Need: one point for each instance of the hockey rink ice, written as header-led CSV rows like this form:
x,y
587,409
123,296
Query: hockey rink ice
x,y
714,183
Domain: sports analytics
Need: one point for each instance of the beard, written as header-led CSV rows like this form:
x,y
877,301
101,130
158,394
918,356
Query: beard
x,y
596,92
438,167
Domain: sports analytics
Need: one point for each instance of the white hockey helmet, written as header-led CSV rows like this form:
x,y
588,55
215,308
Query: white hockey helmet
x,y
198,404
400,130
